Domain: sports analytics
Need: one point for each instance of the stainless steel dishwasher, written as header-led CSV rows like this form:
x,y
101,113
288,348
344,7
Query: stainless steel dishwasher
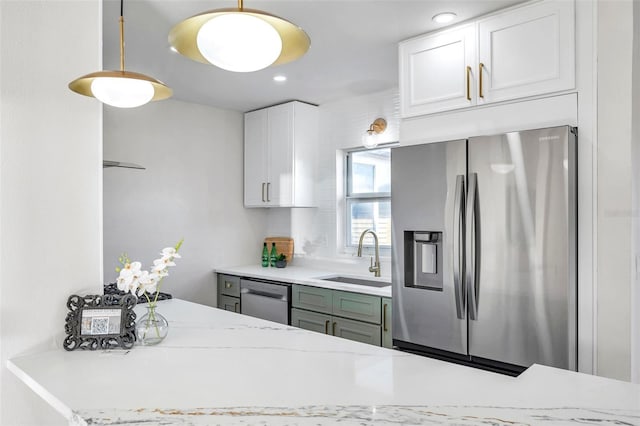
x,y
266,300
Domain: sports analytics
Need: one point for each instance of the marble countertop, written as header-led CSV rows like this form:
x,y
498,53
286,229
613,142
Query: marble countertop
x,y
218,367
308,276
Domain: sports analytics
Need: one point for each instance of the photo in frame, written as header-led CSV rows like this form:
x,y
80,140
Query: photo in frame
x,y
100,322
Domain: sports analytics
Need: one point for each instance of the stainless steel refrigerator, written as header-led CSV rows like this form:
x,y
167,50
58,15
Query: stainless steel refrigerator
x,y
484,249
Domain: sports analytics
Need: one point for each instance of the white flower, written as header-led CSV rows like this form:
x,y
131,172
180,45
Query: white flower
x,y
170,252
162,273
148,283
134,280
129,275
159,265
164,262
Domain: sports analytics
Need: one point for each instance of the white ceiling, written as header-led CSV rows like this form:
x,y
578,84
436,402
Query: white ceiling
x,y
353,47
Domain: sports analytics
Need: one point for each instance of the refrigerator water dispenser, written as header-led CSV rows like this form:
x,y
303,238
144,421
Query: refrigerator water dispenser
x,y
423,259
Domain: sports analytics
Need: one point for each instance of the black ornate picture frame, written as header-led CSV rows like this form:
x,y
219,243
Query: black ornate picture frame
x,y
100,322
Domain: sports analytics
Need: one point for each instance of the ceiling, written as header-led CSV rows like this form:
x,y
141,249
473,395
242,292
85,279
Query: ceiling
x,y
353,47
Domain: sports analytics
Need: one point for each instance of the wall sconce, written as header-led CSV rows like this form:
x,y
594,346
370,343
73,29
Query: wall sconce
x,y
370,139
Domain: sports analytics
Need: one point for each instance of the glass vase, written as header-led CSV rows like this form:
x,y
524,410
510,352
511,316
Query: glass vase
x,y
152,327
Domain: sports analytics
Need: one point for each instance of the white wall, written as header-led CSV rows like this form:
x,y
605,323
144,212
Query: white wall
x,y
614,260
316,231
635,184
192,187
50,183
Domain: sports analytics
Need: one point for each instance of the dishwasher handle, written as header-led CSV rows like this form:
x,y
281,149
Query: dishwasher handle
x,y
264,294
264,289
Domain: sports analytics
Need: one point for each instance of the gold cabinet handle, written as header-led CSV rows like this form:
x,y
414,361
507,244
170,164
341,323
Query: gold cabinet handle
x,y
480,91
326,327
384,317
263,200
227,284
468,83
334,328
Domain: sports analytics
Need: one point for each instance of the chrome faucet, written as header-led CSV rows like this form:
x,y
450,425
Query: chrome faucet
x,y
375,267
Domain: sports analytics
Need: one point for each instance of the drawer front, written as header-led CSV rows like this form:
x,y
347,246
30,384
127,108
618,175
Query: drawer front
x,y
311,321
356,330
229,303
362,307
312,298
229,285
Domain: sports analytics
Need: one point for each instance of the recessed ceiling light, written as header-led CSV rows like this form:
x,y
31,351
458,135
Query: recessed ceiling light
x,y
280,78
443,18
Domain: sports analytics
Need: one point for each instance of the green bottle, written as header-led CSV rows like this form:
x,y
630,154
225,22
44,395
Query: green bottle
x,y
265,255
274,255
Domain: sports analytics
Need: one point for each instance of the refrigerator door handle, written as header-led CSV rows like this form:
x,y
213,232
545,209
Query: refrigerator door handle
x,y
458,244
470,247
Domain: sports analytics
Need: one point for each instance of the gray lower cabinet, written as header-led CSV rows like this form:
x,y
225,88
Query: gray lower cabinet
x,y
229,303
386,323
312,298
336,326
356,330
357,306
229,292
309,320
353,316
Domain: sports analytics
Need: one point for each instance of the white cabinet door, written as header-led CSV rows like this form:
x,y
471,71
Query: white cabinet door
x,y
280,155
280,145
437,71
255,158
527,51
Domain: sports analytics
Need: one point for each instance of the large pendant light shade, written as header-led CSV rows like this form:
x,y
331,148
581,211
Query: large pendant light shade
x,y
122,89
239,39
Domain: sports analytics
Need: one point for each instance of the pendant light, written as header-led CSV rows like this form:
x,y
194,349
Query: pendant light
x,y
122,89
239,39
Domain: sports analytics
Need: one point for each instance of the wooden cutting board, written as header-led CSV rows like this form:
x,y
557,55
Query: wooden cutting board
x,y
283,245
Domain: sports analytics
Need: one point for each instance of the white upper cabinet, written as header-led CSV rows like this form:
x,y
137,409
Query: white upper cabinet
x,y
527,51
436,71
517,53
280,146
255,154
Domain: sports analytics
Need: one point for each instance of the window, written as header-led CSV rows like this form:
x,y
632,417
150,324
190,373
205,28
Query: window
x,y
369,196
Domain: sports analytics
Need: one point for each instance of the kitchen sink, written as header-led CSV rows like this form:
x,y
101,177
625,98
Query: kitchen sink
x,y
359,281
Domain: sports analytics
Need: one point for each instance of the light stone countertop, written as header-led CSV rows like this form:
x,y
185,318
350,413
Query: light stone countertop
x,y
308,276
218,367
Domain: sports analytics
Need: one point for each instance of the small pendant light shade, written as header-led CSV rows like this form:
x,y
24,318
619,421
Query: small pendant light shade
x,y
239,40
122,89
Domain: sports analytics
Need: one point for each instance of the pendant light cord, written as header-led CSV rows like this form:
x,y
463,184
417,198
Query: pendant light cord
x,y
122,35
240,5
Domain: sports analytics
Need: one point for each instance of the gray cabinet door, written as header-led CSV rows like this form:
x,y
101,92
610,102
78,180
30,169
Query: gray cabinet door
x,y
312,298
229,285
356,330
311,321
386,323
229,303
362,307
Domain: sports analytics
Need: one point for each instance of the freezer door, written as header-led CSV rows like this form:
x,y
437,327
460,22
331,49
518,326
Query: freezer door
x,y
427,196
521,248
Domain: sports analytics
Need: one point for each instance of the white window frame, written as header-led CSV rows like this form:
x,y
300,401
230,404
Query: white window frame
x,y
350,197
